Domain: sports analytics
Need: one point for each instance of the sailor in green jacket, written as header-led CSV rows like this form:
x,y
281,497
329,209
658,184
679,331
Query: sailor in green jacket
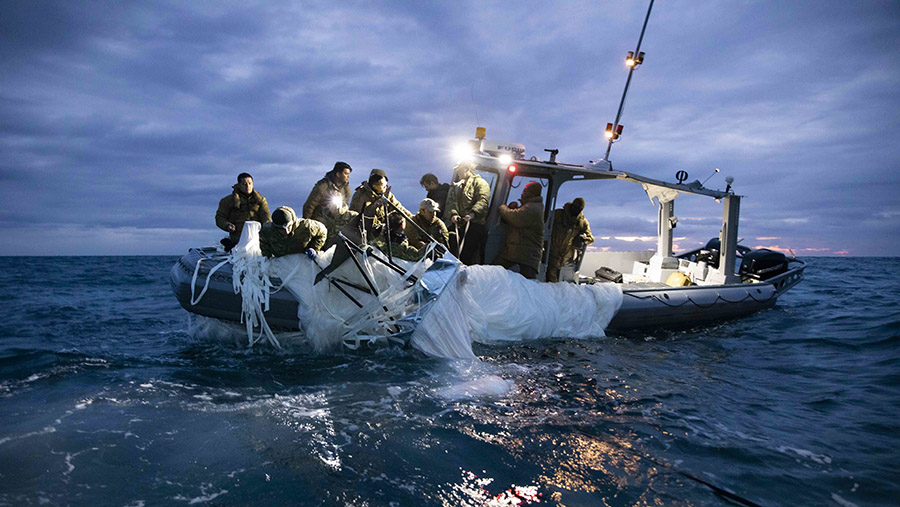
x,y
467,210
399,245
524,240
571,231
366,201
329,201
243,204
286,234
428,221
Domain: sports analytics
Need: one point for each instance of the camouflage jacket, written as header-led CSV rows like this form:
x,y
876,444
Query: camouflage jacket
x,y
402,250
367,202
436,229
470,196
568,233
303,233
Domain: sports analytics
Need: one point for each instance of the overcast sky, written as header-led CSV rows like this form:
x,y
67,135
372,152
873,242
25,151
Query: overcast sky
x,y
123,123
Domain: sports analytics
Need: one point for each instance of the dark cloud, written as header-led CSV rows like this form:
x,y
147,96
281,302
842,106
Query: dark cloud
x,y
132,119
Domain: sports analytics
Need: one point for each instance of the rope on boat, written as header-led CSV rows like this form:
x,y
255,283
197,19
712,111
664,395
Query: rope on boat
x,y
367,324
251,280
699,305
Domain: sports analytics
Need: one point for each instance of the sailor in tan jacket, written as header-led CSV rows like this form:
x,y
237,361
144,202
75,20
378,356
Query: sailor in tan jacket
x,y
241,205
571,232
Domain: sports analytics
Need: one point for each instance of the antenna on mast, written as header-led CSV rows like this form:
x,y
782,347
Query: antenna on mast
x,y
633,60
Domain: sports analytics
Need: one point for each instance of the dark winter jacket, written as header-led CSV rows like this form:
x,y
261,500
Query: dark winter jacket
x,y
439,195
237,208
524,241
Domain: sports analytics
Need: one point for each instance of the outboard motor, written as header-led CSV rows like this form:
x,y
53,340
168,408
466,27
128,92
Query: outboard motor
x,y
710,253
762,264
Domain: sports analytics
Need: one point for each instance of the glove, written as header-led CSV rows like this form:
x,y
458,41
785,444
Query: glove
x,y
311,253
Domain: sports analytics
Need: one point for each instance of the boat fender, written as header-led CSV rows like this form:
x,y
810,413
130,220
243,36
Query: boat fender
x,y
678,279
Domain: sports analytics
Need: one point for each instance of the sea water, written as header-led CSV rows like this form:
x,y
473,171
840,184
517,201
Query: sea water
x,y
107,399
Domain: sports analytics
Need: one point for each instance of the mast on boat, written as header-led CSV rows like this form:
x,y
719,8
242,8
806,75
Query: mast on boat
x,y
633,60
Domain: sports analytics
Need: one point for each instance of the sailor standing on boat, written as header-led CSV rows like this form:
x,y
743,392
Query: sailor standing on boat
x,y
467,209
286,234
243,204
571,232
335,185
437,192
524,240
329,202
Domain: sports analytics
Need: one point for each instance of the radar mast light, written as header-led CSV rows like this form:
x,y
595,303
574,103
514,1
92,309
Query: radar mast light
x,y
613,132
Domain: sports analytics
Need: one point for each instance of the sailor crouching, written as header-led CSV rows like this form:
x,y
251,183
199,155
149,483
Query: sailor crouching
x,y
286,234
394,238
427,220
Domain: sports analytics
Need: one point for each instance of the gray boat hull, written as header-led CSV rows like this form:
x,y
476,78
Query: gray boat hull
x,y
647,307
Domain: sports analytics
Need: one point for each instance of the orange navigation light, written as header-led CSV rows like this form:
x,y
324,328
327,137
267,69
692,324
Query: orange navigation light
x,y
480,132
634,61
609,131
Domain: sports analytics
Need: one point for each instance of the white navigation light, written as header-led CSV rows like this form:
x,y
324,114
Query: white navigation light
x,y
336,201
462,152
505,159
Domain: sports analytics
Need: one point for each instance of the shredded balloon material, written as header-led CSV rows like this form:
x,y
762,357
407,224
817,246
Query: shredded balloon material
x,y
438,309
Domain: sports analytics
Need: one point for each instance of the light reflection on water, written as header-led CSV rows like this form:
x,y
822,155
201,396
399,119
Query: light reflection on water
x,y
126,409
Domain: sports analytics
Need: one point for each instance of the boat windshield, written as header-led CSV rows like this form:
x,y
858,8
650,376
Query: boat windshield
x,y
489,176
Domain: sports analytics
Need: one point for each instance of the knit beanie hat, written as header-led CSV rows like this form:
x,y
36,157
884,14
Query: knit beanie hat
x,y
531,190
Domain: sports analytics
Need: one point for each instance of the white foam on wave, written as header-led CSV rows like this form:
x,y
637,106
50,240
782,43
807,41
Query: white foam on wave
x,y
487,386
821,459
841,501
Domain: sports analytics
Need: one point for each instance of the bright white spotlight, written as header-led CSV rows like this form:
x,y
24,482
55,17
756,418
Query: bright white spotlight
x,y
462,152
505,159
